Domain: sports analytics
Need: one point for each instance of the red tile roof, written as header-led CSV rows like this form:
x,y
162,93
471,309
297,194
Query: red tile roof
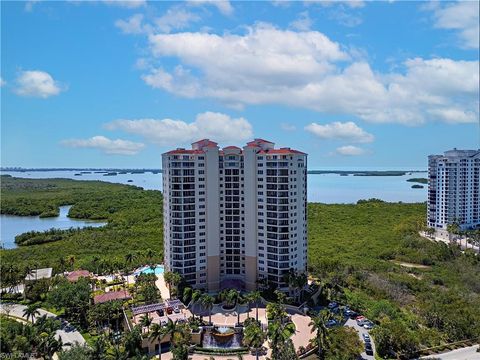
x,y
77,274
232,147
184,151
282,151
111,296
258,141
205,143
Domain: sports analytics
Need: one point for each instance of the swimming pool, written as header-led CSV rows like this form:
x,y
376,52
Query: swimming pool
x,y
159,269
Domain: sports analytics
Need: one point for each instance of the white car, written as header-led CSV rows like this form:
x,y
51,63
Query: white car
x,y
368,325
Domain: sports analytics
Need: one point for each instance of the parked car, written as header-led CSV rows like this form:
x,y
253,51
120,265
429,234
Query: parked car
x,y
176,310
368,349
332,305
360,320
367,324
169,310
164,322
350,313
366,338
331,323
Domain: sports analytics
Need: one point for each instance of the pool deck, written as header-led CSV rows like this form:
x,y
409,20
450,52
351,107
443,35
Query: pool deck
x,y
162,286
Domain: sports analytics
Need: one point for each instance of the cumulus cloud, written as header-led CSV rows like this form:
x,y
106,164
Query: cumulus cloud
x,y
302,23
175,18
342,131
117,147
224,6
350,150
463,17
37,83
306,69
133,25
168,132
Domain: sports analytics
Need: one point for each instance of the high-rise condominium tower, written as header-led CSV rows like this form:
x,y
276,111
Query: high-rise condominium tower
x,y
235,216
453,189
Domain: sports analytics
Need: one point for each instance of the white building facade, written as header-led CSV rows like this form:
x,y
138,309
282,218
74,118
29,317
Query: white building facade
x,y
234,216
453,189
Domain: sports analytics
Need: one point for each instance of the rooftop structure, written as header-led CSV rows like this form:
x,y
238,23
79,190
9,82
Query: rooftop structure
x,y
235,215
77,274
37,274
111,296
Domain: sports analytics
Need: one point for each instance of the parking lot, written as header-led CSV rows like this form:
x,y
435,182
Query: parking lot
x,y
350,320
361,331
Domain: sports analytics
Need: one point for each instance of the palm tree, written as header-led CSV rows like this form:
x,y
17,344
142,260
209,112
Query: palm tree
x,y
146,321
172,329
176,280
196,295
27,272
289,279
71,260
62,264
36,265
31,311
157,334
149,254
277,336
207,301
187,295
95,261
281,297
168,277
12,277
253,337
49,345
301,280
453,229
318,324
255,295
129,257
99,348
231,297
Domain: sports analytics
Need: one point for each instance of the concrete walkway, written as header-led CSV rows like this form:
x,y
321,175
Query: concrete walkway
x,y
67,332
461,242
467,353
162,286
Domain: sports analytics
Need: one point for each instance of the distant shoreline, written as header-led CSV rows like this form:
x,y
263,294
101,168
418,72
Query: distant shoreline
x,y
156,171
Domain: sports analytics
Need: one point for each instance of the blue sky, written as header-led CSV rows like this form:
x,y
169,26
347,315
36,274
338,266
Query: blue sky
x,y
353,84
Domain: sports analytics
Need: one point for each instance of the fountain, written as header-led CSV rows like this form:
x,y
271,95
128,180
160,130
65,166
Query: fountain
x,y
222,338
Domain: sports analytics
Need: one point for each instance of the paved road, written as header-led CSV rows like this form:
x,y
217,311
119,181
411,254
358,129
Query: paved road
x,y
361,331
467,353
67,332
